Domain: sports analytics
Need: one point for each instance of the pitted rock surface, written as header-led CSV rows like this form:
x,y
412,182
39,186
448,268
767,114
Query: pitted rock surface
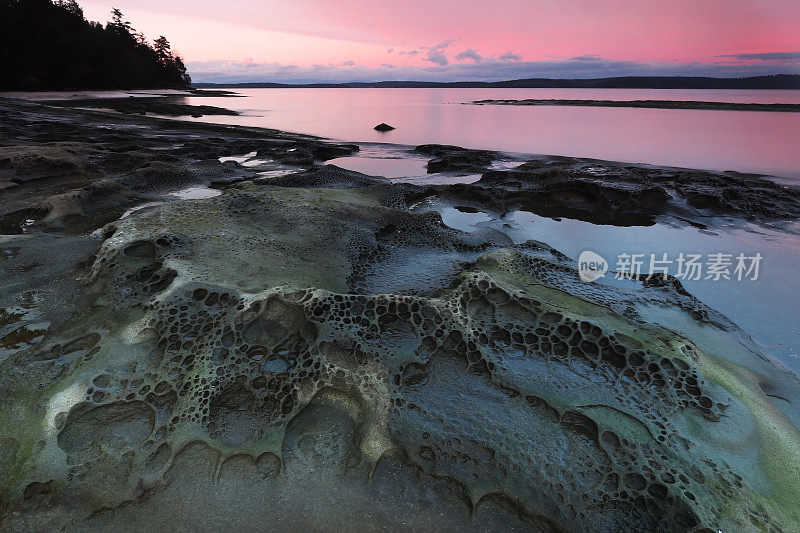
x,y
297,352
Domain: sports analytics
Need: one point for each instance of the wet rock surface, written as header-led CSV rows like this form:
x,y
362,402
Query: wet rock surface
x,y
327,177
66,167
304,352
455,159
156,105
605,192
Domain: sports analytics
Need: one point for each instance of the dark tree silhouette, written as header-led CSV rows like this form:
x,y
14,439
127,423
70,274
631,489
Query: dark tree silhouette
x,y
162,48
71,6
47,44
119,23
170,61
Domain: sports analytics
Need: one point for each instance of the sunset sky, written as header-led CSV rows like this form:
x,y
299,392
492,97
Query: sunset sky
x,y
355,40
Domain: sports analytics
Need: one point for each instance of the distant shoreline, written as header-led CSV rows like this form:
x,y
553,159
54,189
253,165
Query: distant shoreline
x,y
775,82
653,104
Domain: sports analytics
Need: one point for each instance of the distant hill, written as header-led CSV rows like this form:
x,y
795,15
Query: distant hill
x,y
779,81
48,45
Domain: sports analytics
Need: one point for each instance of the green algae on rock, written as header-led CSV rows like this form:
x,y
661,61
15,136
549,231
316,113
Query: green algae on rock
x,y
226,321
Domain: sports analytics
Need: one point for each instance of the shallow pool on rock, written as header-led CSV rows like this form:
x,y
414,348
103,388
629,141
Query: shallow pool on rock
x,y
766,308
402,165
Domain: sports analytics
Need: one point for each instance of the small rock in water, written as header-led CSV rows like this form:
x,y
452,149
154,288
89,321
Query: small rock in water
x,y
384,127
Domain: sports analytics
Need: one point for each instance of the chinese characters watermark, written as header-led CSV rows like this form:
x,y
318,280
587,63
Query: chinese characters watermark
x,y
684,266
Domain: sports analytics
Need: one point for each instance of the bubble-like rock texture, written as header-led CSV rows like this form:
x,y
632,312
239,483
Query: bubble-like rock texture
x,y
316,356
327,177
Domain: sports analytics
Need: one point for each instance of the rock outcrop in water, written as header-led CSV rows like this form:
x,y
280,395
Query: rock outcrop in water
x,y
304,352
648,104
172,106
622,194
455,159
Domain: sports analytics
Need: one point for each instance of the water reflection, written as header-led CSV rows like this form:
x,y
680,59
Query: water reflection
x,y
746,141
765,308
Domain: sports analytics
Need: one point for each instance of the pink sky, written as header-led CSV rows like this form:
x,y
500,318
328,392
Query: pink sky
x,y
336,40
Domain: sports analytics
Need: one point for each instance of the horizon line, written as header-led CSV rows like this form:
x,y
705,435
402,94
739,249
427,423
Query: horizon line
x,y
792,79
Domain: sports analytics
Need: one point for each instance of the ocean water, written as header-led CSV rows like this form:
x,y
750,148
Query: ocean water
x,y
762,142
763,305
745,141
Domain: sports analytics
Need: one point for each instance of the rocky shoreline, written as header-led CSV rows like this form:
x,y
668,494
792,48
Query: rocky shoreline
x,y
186,331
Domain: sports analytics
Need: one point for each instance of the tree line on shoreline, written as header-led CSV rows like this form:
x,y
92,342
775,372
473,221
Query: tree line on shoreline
x,y
49,45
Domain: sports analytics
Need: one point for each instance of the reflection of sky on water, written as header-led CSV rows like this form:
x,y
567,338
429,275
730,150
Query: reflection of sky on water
x,y
766,308
718,140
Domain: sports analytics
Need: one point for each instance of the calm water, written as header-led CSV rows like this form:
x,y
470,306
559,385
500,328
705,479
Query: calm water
x,y
766,308
747,141
767,143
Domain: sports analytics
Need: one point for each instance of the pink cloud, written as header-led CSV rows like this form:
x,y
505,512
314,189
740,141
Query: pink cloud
x,y
414,32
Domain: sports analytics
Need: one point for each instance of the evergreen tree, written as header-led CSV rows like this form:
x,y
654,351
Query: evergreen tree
x,y
71,6
118,21
47,44
163,49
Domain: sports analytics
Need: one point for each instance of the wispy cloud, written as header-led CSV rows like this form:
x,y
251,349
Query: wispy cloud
x,y
765,56
511,31
469,53
488,69
510,56
436,53
587,57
